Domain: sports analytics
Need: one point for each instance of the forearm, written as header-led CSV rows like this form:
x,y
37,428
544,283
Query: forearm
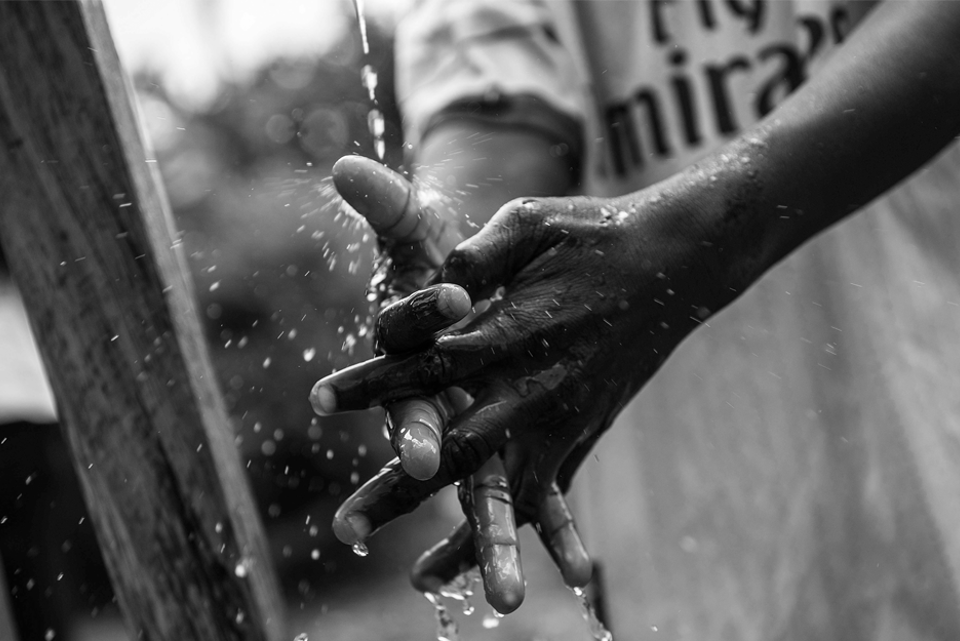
x,y
886,103
476,167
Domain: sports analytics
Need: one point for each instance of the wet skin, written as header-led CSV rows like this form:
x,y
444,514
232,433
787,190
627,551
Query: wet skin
x,y
415,423
596,293
529,361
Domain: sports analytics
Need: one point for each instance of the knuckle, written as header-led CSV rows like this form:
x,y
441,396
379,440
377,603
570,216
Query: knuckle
x,y
524,212
463,453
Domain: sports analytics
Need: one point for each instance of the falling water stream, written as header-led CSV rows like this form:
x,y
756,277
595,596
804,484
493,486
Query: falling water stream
x,y
597,629
368,77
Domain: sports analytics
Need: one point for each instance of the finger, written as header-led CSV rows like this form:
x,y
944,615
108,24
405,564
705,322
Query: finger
x,y
512,238
382,196
413,322
415,426
384,379
558,531
471,439
486,501
445,561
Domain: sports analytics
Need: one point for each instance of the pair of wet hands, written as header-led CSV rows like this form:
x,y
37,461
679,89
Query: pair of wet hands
x,y
509,404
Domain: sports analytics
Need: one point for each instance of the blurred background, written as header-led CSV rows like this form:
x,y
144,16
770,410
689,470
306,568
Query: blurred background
x,y
248,104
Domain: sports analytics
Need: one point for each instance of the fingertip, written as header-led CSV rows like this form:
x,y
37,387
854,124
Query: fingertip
x,y
323,399
378,193
503,583
351,528
425,582
558,531
509,601
419,451
576,568
453,302
442,563
349,167
419,423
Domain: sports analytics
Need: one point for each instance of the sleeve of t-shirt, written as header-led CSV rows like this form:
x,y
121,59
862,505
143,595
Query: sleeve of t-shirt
x,y
496,61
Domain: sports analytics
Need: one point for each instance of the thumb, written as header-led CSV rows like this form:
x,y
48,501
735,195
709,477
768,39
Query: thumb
x,y
390,204
515,235
382,196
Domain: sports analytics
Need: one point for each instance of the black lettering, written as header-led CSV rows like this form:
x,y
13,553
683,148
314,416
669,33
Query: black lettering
x,y
751,10
706,14
719,90
648,99
791,75
814,29
623,137
683,93
840,23
660,34
626,149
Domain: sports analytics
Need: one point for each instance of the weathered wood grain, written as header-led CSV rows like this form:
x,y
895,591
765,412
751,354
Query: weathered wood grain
x,y
86,228
7,626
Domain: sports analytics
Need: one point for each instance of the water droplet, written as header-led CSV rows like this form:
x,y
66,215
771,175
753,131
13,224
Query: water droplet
x,y
266,362
491,620
49,635
315,554
446,626
309,353
301,637
218,527
241,569
597,629
360,549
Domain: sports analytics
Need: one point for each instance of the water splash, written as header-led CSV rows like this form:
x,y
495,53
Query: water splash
x,y
461,589
241,568
446,627
360,549
491,619
368,76
597,629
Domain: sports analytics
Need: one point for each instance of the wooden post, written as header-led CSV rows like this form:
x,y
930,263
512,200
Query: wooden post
x,y
8,627
87,231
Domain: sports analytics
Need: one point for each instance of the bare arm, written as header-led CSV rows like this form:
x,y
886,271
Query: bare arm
x,y
576,335
886,103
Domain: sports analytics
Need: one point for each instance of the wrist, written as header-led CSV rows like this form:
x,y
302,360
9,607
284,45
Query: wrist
x,y
706,229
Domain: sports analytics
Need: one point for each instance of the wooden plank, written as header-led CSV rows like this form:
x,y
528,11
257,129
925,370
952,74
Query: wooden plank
x,y
8,628
87,230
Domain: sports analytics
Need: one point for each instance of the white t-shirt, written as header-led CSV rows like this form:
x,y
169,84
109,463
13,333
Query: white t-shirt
x,y
793,471
24,390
